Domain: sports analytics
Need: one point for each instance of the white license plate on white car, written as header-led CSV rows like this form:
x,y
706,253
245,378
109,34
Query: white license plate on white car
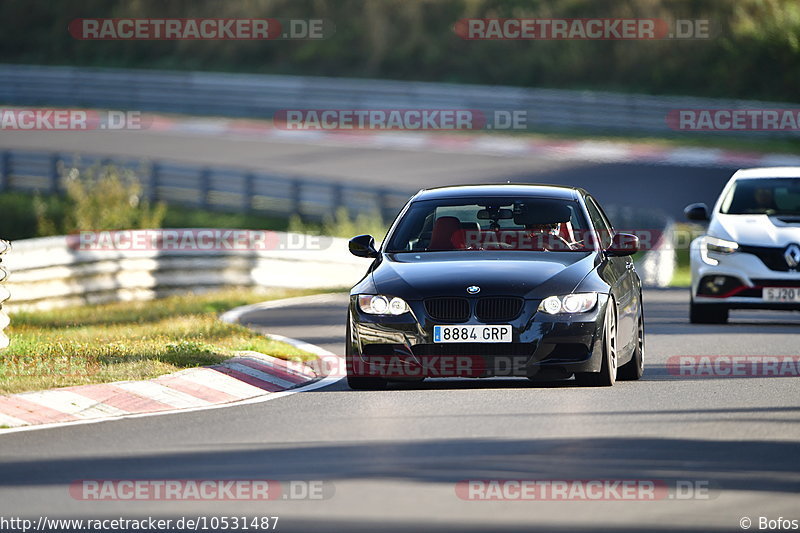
x,y
781,294
472,333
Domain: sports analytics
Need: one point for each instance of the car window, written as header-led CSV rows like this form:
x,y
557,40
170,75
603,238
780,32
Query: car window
x,y
599,221
769,196
528,224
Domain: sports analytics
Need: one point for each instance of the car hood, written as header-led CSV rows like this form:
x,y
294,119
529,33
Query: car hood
x,y
756,230
529,274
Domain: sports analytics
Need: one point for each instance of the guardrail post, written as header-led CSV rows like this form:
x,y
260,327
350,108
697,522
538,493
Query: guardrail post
x,y
5,170
53,174
152,182
205,186
296,198
384,209
4,295
338,196
248,191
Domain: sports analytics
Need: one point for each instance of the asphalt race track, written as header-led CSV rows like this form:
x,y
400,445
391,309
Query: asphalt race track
x,y
392,458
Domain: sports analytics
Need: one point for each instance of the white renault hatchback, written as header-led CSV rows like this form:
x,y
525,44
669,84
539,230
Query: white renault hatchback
x,y
750,256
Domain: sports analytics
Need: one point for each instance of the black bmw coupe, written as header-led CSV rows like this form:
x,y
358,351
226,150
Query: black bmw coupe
x,y
497,281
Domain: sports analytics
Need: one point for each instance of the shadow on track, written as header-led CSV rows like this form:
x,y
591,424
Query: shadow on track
x,y
726,465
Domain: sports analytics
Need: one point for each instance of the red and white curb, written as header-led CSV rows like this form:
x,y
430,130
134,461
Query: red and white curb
x,y
497,145
250,377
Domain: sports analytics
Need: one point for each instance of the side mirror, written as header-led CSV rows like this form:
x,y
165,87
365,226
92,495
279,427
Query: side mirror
x,y
623,244
697,212
363,246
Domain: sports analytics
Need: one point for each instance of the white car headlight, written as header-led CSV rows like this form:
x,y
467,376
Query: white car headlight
x,y
716,246
720,246
378,304
571,303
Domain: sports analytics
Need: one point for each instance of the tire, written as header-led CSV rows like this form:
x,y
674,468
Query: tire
x,y
707,314
608,369
633,369
358,382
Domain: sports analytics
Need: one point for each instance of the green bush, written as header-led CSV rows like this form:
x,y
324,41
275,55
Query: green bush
x,y
100,198
186,217
27,215
341,224
20,218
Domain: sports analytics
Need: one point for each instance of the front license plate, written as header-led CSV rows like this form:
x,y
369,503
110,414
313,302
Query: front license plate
x,y
472,333
782,294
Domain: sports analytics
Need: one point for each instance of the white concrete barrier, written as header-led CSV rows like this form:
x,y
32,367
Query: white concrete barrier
x,y
49,272
52,272
5,246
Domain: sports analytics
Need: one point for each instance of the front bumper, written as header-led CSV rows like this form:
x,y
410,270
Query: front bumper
x,y
543,346
744,290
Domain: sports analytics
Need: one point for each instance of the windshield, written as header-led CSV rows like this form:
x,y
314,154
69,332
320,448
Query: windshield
x,y
476,224
766,196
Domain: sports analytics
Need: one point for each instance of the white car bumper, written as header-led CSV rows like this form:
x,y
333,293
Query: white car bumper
x,y
752,275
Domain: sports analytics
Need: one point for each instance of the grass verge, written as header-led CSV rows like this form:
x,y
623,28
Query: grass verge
x,y
130,340
683,235
682,277
19,219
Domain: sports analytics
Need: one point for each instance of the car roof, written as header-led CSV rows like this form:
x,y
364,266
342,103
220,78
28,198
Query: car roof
x,y
768,172
530,190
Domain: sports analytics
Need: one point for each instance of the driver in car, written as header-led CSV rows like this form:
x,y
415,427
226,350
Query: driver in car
x,y
546,237
765,199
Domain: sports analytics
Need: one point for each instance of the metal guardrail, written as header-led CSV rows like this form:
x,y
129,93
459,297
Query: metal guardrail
x,y
207,187
5,246
242,190
256,95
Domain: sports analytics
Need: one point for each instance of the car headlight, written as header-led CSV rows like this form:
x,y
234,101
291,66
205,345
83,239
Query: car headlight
x,y
580,302
720,246
378,304
717,246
